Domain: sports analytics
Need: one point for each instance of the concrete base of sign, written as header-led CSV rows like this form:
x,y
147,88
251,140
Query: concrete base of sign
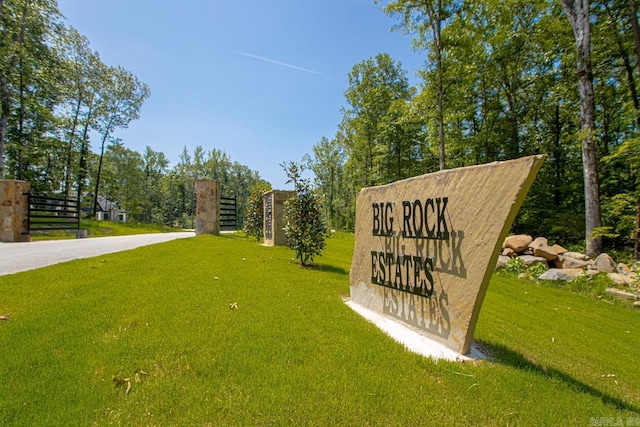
x,y
414,341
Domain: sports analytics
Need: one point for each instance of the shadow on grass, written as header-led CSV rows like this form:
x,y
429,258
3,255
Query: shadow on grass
x,y
330,269
507,356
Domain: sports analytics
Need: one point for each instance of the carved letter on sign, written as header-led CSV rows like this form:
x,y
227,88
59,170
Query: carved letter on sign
x,y
426,246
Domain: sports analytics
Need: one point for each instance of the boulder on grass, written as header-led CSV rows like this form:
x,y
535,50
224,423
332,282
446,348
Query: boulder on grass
x,y
519,243
530,260
617,293
605,263
564,274
564,262
624,269
502,261
508,252
575,255
559,249
620,279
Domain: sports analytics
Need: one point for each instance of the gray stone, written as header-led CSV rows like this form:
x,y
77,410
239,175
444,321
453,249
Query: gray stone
x,y
531,260
508,252
605,263
575,255
502,261
564,262
624,269
564,274
620,279
617,293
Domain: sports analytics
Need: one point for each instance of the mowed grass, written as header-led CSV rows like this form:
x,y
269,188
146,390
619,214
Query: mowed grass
x,y
291,353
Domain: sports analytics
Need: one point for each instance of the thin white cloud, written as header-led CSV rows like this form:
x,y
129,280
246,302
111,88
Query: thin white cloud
x,y
282,64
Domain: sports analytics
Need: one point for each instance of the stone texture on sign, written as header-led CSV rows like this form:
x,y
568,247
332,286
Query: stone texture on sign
x,y
274,217
14,210
207,206
426,246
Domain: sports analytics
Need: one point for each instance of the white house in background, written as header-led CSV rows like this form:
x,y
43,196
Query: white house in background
x,y
108,210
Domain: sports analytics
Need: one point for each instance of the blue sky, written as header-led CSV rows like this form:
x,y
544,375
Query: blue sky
x,y
261,80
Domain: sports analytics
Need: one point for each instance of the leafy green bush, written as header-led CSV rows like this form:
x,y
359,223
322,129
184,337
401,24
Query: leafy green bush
x,y
254,212
304,227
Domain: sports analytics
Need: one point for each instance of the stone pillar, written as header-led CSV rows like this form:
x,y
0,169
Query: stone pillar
x,y
273,217
14,210
207,206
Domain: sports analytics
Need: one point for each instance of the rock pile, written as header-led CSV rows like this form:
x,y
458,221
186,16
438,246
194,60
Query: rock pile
x,y
565,265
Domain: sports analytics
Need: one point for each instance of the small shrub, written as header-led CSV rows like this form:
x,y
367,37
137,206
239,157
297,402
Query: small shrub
x,y
304,227
514,266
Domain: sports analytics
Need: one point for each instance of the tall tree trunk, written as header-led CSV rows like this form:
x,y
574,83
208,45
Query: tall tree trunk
x,y
67,172
436,24
578,14
95,194
633,16
21,145
84,151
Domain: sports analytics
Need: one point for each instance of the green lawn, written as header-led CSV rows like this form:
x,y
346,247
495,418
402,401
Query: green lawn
x,y
292,353
97,228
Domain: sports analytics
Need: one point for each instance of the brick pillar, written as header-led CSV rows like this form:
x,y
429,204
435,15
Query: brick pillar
x,y
207,206
14,210
273,217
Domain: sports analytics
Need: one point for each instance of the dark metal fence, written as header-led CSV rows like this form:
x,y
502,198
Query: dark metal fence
x,y
52,213
228,213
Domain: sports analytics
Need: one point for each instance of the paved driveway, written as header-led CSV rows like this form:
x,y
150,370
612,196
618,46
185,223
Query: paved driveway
x,y
16,257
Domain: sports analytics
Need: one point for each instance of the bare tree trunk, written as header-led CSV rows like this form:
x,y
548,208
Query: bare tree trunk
x,y
578,14
67,172
95,194
436,25
84,151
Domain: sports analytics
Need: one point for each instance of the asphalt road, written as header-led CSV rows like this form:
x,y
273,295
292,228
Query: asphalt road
x,y
16,257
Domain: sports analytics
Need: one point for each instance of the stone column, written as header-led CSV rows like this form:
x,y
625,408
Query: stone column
x,y
14,210
207,206
273,217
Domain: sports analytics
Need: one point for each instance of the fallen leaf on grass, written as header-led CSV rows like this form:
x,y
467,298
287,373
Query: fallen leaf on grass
x,y
121,382
137,376
4,317
126,382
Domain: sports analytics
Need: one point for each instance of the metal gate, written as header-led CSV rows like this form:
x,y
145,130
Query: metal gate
x,y
52,213
228,213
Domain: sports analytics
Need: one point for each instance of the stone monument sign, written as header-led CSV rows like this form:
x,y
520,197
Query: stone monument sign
x,y
426,246
273,217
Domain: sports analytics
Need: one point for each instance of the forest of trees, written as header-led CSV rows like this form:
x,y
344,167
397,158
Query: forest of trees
x,y
501,80
56,93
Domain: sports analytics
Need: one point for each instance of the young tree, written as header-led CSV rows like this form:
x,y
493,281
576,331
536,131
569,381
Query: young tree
x,y
578,13
254,211
304,226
